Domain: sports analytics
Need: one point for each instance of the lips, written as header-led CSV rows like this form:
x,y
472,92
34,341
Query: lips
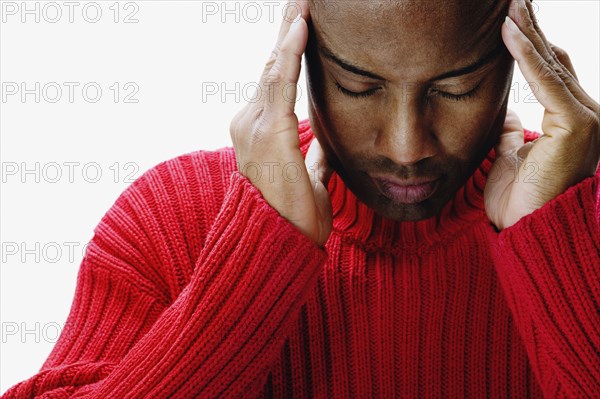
x,y
406,191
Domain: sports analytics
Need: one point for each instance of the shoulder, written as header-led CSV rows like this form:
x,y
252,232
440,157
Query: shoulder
x,y
196,180
156,228
188,189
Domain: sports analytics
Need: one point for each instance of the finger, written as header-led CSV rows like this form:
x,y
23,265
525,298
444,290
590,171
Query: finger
x,y
561,68
522,13
294,9
558,54
540,38
564,59
549,89
281,81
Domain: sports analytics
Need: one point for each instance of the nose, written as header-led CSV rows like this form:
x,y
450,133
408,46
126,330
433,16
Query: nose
x,y
407,137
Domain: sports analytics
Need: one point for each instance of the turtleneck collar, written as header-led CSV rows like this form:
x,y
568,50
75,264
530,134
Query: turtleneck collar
x,y
354,221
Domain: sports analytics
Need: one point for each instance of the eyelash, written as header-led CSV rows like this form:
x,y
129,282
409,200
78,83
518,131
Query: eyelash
x,y
362,94
368,93
459,97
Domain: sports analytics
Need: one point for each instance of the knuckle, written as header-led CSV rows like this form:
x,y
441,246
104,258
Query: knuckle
x,y
583,121
545,71
256,136
275,75
275,52
529,50
272,58
271,61
261,125
563,73
560,53
590,120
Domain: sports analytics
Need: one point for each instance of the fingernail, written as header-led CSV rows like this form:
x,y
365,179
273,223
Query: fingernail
x,y
510,24
295,24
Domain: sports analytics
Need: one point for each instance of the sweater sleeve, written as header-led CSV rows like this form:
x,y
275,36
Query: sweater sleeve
x,y
220,334
549,268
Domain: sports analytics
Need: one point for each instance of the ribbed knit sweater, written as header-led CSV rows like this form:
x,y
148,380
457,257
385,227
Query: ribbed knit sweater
x,y
194,287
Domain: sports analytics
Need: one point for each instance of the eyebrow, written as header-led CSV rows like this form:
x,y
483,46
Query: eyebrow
x,y
484,60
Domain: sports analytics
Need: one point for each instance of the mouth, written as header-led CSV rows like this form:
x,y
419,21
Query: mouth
x,y
411,191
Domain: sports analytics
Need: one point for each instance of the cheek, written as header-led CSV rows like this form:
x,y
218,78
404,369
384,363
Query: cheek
x,y
335,118
466,128
461,128
351,122
347,133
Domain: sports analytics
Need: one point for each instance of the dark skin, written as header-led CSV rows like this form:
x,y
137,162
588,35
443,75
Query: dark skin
x,y
411,122
429,109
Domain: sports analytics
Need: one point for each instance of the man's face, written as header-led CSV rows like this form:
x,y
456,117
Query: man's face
x,y
429,107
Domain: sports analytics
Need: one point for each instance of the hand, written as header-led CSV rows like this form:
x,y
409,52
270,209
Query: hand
x,y
266,142
524,177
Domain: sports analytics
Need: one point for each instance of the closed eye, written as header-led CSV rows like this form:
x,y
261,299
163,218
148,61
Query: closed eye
x,y
457,97
443,94
362,94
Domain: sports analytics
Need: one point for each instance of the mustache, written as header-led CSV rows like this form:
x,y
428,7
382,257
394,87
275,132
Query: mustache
x,y
426,168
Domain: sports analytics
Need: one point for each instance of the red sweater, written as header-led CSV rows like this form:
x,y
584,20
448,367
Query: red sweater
x,y
193,286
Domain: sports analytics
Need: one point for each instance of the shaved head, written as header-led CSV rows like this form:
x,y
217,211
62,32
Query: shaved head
x,y
469,21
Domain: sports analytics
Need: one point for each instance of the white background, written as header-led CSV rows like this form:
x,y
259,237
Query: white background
x,y
174,51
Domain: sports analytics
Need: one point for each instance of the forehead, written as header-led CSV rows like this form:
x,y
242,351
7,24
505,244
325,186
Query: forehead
x,y
412,37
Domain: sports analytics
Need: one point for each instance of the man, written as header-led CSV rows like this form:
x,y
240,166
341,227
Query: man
x,y
430,264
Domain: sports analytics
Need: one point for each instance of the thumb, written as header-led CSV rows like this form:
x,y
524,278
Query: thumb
x,y
319,173
316,163
512,137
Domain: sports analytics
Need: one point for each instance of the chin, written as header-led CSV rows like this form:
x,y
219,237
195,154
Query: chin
x,y
405,215
406,212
